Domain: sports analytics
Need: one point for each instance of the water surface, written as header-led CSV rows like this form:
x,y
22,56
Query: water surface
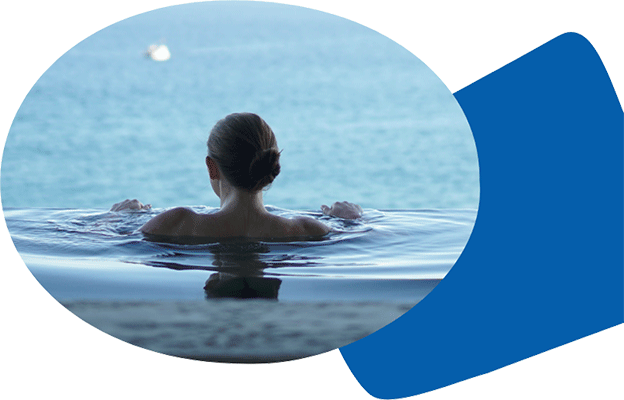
x,y
392,255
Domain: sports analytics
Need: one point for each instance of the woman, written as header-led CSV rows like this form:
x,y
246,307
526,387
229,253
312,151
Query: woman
x,y
243,159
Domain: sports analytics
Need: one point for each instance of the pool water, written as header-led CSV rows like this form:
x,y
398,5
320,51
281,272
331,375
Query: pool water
x,y
393,255
234,300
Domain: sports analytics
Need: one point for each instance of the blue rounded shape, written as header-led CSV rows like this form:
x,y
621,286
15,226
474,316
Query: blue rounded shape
x,y
543,266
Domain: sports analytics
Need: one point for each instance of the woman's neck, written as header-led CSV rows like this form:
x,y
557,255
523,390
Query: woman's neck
x,y
234,199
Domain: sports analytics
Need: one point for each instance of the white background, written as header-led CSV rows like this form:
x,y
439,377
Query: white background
x,y
47,351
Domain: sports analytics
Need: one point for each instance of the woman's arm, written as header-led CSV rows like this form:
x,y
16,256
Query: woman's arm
x,y
130,205
343,209
171,222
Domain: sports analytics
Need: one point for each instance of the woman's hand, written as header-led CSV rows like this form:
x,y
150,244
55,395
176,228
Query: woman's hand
x,y
130,205
343,209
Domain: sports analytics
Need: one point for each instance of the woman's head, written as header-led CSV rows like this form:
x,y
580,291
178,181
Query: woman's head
x,y
245,149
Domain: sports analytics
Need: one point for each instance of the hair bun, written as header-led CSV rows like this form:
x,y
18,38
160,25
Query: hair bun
x,y
245,149
263,169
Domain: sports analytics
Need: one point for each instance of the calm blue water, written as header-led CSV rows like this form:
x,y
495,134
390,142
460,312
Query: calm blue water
x,y
396,255
358,117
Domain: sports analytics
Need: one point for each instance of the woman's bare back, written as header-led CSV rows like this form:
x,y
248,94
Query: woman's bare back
x,y
184,222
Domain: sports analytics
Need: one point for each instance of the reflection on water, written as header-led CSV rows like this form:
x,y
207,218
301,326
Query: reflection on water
x,y
244,278
240,271
222,284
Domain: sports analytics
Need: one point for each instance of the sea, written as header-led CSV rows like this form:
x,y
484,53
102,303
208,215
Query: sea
x,y
357,117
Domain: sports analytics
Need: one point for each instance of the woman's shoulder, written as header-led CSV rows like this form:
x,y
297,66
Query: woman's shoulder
x,y
306,226
173,222
183,221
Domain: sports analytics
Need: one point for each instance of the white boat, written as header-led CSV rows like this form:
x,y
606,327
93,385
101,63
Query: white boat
x,y
158,52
